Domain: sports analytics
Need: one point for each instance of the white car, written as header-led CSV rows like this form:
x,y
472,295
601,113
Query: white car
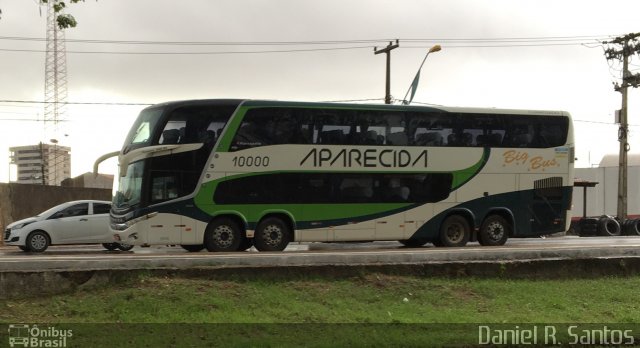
x,y
76,222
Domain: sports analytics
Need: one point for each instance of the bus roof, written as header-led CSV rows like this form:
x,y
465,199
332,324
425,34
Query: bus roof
x,y
360,106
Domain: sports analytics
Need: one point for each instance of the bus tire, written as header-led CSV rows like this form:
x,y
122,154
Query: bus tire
x,y
222,235
413,242
193,248
272,234
454,231
495,230
608,227
632,227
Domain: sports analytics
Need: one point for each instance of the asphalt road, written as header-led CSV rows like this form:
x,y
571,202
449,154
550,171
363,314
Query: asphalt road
x,y
93,257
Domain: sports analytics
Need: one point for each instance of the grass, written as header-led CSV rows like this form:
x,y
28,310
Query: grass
x,y
388,308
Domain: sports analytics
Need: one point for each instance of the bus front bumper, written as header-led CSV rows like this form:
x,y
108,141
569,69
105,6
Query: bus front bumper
x,y
128,232
126,237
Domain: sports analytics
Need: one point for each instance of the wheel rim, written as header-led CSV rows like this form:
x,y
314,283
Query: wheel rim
x,y
223,236
495,231
272,235
455,233
38,241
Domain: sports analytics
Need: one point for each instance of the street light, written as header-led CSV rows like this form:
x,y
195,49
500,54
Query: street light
x,y
414,84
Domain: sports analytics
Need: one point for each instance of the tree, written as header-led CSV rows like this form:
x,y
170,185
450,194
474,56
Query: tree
x,y
64,20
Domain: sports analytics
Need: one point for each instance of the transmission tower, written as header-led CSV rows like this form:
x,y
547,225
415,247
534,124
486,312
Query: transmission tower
x,y
55,91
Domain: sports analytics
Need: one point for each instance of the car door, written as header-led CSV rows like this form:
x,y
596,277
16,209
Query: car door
x,y
70,223
98,224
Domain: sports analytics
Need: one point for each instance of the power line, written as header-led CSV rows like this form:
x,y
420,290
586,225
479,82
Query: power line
x,y
74,103
203,43
27,119
446,42
197,53
318,42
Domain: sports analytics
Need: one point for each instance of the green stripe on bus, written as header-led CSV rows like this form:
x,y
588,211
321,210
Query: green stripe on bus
x,y
322,212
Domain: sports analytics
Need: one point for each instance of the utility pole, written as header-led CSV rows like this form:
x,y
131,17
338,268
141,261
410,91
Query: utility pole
x,y
387,50
630,45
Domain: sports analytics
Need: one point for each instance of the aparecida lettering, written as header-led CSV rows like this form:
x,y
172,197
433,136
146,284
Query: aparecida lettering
x,y
369,158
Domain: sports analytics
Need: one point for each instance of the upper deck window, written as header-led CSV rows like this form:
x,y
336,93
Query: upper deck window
x,y
141,133
281,125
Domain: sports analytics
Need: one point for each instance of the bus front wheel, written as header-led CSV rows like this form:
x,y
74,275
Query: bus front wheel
x,y
272,234
222,235
494,231
454,232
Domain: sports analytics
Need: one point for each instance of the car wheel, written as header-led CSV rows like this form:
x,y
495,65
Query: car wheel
x,y
222,235
24,248
272,234
494,231
125,246
38,241
455,231
193,248
110,246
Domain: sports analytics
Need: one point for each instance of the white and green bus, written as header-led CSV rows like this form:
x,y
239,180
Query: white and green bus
x,y
228,174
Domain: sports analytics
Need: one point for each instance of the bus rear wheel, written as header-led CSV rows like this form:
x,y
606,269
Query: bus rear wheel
x,y
494,231
454,232
272,234
192,248
222,235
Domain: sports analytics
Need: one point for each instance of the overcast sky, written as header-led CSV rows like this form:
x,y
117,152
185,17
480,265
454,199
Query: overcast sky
x,y
557,63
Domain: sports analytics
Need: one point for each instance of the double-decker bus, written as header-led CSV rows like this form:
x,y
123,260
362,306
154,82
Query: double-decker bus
x,y
226,175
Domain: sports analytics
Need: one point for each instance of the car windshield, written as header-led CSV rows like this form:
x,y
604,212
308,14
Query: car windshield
x,y
50,211
129,187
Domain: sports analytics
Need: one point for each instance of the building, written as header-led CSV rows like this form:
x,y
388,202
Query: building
x,y
90,180
45,164
603,198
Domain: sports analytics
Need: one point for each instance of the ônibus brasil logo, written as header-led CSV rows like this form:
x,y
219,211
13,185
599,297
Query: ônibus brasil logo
x,y
23,335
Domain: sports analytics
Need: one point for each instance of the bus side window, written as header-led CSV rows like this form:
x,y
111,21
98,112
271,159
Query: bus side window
x,y
398,138
393,190
356,189
460,139
332,137
248,135
429,139
170,136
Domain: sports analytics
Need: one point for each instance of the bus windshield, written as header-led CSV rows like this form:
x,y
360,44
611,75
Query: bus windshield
x,y
129,190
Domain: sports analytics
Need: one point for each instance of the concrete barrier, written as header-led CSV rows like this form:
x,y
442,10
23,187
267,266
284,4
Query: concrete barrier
x,y
29,284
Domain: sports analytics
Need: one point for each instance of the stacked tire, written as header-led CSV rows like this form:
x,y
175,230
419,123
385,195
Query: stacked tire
x,y
608,226
631,227
588,227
